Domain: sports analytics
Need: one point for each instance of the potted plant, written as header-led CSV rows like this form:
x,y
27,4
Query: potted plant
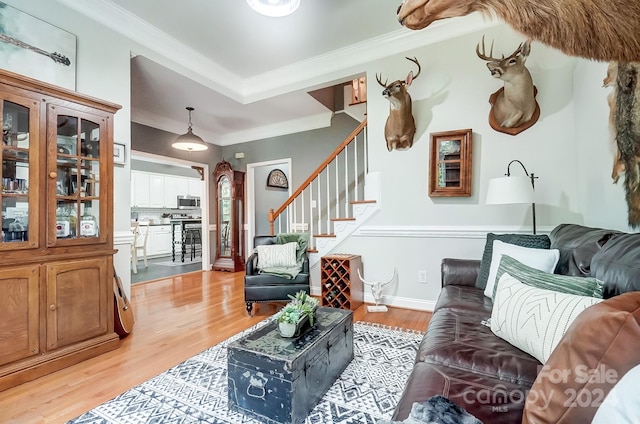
x,y
295,315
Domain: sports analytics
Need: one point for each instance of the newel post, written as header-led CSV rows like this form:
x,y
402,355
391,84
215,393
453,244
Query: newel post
x,y
271,219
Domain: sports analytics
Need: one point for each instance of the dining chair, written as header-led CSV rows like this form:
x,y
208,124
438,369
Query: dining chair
x,y
139,246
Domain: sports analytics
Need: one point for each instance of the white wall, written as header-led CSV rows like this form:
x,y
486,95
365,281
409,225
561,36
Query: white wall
x,y
567,149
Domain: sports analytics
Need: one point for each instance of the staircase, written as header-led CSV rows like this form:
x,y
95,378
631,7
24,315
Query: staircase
x,y
336,199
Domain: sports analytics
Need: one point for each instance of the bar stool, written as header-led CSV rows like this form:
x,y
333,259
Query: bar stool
x,y
192,239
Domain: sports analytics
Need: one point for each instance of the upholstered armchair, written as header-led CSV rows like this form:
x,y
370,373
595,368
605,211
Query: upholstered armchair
x,y
263,287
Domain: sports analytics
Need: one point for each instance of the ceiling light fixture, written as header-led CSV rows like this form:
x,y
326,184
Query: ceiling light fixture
x,y
274,8
189,141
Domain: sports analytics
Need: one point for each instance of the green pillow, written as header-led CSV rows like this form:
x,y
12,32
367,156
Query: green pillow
x,y
582,286
525,240
301,238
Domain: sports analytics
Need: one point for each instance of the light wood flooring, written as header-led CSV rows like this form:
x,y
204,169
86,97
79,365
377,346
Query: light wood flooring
x,y
176,318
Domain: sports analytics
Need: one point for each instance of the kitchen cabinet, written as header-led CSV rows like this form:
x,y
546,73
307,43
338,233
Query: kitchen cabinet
x,y
151,190
156,191
194,186
159,240
140,193
173,187
56,266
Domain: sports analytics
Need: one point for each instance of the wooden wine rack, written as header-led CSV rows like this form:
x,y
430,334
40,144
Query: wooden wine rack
x,y
341,285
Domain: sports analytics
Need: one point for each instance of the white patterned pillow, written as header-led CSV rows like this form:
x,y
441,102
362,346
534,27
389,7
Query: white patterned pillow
x,y
540,259
277,255
532,319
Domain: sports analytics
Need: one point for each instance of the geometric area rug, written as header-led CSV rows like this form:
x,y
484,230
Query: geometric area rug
x,y
195,391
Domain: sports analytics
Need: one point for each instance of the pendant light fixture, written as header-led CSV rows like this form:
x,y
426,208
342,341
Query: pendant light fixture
x,y
274,8
189,141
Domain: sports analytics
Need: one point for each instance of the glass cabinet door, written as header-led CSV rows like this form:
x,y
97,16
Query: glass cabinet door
x,y
19,196
75,167
226,222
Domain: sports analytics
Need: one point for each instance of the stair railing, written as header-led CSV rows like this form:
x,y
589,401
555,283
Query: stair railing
x,y
334,185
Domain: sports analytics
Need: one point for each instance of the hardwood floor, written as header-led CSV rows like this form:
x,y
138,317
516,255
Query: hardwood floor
x,y
176,318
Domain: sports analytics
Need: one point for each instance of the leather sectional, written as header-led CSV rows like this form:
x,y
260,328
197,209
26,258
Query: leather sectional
x,y
461,359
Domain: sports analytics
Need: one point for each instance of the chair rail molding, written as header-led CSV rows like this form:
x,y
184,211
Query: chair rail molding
x,y
440,231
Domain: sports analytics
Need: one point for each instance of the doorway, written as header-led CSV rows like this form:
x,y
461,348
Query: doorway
x,y
261,198
163,264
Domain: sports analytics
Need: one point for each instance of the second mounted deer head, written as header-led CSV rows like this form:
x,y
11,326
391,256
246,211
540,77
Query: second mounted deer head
x,y
400,127
514,107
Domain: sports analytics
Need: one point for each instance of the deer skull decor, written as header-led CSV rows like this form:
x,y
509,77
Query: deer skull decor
x,y
376,292
514,107
400,127
594,29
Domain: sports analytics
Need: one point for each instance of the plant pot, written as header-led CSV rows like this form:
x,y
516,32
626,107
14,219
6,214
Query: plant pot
x,y
287,329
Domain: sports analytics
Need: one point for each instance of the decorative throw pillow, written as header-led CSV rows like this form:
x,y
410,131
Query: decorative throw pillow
x,y
583,286
525,240
532,319
541,259
277,255
622,404
596,352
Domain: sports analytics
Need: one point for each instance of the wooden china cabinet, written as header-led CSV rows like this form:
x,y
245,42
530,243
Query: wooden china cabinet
x,y
229,218
56,251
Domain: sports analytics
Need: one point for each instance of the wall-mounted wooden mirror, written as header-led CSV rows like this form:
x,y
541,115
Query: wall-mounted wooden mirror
x,y
450,164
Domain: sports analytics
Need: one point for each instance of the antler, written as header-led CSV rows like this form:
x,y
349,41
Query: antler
x,y
377,282
380,82
415,60
483,56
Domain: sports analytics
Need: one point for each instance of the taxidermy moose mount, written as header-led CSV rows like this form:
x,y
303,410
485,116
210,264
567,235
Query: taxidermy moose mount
x,y
593,29
400,127
513,107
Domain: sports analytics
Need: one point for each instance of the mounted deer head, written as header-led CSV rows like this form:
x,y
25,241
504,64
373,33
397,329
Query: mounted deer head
x,y
400,127
515,104
594,29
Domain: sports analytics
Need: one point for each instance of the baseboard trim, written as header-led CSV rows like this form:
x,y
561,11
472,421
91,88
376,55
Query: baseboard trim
x,y
400,302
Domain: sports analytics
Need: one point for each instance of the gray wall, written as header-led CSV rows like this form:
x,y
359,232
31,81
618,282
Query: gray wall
x,y
268,197
306,149
152,140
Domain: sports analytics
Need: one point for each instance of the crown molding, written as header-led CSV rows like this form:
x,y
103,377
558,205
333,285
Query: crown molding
x,y
348,60
174,54
333,66
293,126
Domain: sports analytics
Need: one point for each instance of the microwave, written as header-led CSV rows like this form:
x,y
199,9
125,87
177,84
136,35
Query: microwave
x,y
188,202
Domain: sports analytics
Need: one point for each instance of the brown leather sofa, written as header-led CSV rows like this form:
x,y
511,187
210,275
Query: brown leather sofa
x,y
461,359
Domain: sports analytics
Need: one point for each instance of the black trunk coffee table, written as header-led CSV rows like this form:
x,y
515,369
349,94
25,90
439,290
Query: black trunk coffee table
x,y
280,380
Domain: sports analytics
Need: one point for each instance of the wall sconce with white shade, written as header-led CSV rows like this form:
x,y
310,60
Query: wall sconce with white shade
x,y
511,190
189,141
274,8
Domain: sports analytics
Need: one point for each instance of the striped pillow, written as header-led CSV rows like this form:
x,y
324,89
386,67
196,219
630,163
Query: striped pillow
x,y
582,286
277,255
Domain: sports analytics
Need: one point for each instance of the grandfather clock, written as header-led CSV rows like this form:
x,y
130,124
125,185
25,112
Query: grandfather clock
x,y
229,186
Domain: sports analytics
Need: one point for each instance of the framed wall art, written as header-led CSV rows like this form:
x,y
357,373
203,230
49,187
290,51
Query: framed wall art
x,y
450,164
37,49
118,154
277,179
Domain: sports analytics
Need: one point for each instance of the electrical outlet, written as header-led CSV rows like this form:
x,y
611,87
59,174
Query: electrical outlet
x,y
422,276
